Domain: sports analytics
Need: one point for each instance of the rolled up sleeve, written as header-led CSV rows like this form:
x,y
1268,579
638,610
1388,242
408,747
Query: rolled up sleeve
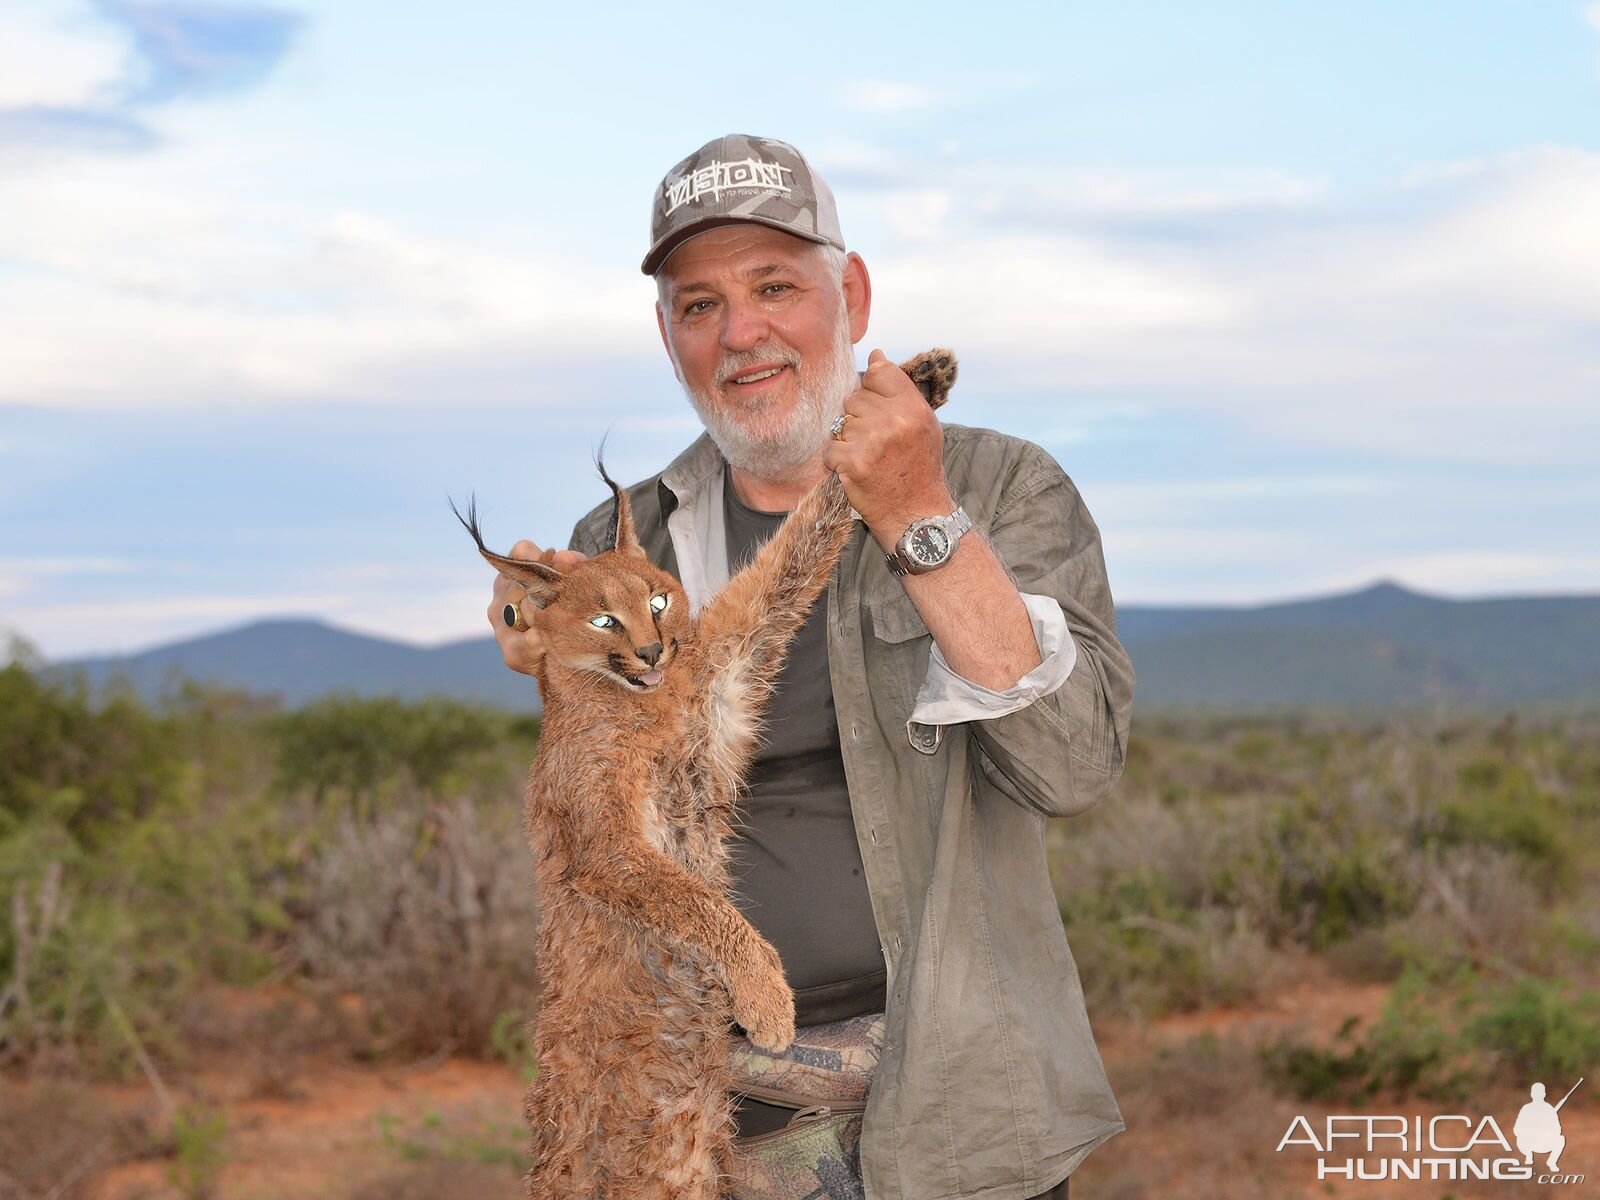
x,y
1060,749
948,698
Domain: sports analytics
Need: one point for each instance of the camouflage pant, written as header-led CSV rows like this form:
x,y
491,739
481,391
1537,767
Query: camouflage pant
x,y
823,1079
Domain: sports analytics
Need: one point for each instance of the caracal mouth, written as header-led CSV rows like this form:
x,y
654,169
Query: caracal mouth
x,y
648,682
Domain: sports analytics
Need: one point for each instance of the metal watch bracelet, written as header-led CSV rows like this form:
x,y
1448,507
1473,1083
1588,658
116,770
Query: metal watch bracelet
x,y
903,560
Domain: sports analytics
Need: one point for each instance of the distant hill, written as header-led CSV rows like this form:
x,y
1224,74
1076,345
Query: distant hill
x,y
1381,647
1378,648
301,660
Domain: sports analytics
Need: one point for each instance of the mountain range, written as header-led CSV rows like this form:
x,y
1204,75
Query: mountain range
x,y
1383,647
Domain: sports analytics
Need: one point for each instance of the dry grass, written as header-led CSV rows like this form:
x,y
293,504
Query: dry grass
x,y
1201,1125
270,1035
1231,847
54,1137
436,1180
431,920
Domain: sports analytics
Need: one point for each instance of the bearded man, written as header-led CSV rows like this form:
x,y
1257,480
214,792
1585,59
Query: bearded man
x,y
959,682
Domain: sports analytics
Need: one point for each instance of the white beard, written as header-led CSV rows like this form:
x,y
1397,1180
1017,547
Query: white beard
x,y
769,447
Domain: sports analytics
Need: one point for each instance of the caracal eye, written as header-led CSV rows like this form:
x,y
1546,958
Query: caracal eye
x,y
603,621
658,604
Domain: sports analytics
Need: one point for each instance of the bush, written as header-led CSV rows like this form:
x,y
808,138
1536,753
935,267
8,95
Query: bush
x,y
1231,843
90,771
1537,1028
56,1138
430,918
1447,1041
366,748
199,1150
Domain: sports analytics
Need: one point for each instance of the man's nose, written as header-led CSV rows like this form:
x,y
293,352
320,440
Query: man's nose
x,y
744,326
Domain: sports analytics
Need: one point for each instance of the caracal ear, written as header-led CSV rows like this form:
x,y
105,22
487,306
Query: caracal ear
x,y
621,535
541,580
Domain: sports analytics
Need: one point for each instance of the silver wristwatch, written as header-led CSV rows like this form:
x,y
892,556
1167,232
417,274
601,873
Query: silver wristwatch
x,y
928,544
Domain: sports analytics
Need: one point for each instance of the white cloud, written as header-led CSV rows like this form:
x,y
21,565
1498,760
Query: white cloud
x,y
1448,315
191,295
81,627
21,569
49,58
1157,500
1057,197
1049,302
1218,545
429,613
1456,324
887,96
1490,572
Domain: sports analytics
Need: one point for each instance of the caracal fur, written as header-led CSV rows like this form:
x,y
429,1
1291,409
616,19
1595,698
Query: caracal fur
x,y
651,719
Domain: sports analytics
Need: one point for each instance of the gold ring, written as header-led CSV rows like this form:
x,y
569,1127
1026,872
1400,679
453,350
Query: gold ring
x,y
836,430
512,616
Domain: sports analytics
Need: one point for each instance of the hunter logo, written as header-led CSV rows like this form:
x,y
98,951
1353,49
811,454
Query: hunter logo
x,y
750,175
1538,1127
1443,1147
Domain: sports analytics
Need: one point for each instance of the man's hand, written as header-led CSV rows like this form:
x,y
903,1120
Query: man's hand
x,y
523,651
890,456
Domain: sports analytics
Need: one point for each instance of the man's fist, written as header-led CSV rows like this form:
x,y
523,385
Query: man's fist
x,y
890,454
524,650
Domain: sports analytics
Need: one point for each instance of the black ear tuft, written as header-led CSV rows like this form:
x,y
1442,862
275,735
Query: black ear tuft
x,y
620,535
540,579
470,521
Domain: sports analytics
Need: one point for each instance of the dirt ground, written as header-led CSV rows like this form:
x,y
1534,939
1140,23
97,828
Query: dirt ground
x,y
1201,1122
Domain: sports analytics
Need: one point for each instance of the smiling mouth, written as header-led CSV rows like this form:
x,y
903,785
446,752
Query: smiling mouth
x,y
751,378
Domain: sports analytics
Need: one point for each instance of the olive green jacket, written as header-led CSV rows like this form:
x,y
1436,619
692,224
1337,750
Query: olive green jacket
x,y
990,1084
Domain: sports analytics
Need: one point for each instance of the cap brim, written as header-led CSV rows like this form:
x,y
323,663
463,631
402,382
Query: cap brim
x,y
662,249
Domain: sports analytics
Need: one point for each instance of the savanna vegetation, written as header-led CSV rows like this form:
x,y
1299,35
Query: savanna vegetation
x,y
1457,859
212,875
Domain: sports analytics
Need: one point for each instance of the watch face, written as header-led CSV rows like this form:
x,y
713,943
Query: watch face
x,y
929,545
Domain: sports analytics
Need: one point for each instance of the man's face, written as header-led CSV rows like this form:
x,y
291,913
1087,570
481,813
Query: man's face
x,y
759,327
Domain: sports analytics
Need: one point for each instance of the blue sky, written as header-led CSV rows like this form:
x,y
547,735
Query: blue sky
x,y
1301,295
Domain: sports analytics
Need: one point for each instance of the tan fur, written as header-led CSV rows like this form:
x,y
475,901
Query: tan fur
x,y
644,960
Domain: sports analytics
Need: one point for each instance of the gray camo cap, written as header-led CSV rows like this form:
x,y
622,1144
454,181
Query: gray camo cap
x,y
735,179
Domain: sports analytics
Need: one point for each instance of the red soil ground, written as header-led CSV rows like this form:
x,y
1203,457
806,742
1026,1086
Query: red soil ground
x,y
1201,1123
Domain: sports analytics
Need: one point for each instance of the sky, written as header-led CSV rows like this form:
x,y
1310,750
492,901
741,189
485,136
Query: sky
x,y
1302,296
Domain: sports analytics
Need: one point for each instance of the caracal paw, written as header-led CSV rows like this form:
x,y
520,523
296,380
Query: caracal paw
x,y
769,1023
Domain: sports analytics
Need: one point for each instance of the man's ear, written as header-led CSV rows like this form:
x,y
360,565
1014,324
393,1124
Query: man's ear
x,y
857,286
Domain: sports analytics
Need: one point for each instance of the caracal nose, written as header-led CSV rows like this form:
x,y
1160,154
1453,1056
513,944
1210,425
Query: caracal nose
x,y
650,653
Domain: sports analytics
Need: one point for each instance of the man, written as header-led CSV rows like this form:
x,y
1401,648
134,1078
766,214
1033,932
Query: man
x,y
960,681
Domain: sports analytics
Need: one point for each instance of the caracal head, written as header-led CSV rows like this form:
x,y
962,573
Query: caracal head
x,y
615,615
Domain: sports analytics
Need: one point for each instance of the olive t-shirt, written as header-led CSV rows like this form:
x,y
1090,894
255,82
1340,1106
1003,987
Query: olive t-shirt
x,y
796,862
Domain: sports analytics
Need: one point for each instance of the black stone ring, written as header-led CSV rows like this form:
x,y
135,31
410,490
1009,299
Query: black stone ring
x,y
513,617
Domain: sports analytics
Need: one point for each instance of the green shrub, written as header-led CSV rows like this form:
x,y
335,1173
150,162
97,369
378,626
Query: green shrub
x,y
488,1142
1539,1028
1447,1040
199,1140
90,770
1334,872
363,748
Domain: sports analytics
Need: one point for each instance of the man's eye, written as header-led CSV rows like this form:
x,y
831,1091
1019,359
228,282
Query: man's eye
x,y
603,621
658,604
774,289
696,308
